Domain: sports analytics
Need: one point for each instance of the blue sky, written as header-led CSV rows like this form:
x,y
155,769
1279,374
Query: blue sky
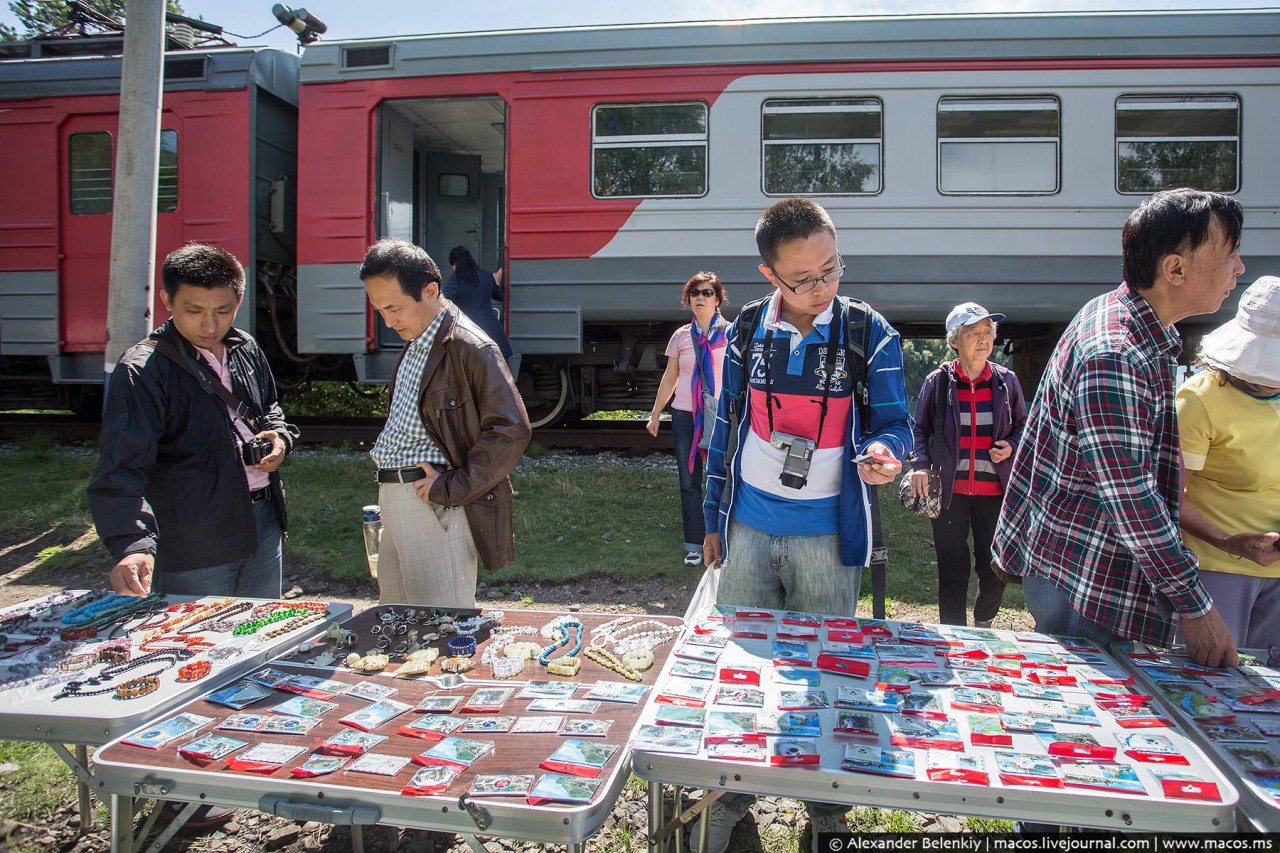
x,y
347,19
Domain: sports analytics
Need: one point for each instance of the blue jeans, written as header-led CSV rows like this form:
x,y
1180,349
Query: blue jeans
x,y
690,481
256,576
782,572
1054,614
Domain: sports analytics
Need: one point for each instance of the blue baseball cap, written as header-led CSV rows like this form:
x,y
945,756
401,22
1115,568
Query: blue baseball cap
x,y
968,313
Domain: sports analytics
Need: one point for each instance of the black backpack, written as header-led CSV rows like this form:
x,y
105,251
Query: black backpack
x,y
857,337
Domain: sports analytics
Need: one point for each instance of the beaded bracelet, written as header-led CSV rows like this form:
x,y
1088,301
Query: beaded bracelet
x,y
566,666
73,634
464,645
505,667
113,654
75,663
138,687
195,670
638,659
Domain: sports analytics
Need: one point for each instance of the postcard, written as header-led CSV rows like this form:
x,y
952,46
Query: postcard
x,y
791,752
242,694
313,686
430,780
579,758
431,726
455,752
167,731
614,691
684,691
378,765
790,724
1028,723
731,725
705,654
565,706
946,766
501,785
438,704
792,677
537,725
693,669
895,678
1027,690
351,742
676,739
856,723
678,715
1179,784
264,757
284,725
547,690
269,677
791,653
736,750
210,748
1231,733
1152,748
918,732
585,728
922,705
879,761
243,722
374,715
1103,777
1077,745
936,677
977,699
561,788
1022,768
863,699
488,700
302,706
369,691
1138,718
803,700
1256,760
319,765
487,725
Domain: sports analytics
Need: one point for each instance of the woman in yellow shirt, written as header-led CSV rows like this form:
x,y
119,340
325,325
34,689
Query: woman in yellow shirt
x,y
1229,422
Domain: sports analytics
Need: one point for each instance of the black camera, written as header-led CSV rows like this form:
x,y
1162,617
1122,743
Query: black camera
x,y
255,450
795,465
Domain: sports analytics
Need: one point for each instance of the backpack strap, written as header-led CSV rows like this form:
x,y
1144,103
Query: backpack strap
x,y
243,410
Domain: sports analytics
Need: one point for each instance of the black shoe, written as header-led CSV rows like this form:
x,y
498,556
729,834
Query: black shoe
x,y
205,817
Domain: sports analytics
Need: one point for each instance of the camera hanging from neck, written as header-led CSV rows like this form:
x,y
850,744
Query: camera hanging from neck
x,y
829,363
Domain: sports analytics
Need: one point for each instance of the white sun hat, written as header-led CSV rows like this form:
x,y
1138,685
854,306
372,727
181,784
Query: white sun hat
x,y
1248,346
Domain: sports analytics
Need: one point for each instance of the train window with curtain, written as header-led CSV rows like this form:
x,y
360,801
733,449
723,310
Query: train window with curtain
x,y
998,146
822,147
1167,141
167,189
647,150
89,162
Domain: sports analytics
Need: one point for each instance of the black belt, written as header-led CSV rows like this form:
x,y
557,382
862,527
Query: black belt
x,y
260,495
405,475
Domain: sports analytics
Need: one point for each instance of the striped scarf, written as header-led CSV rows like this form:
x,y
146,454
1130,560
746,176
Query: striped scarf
x,y
704,376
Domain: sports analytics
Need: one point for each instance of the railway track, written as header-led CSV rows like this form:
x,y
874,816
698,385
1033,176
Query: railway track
x,y
585,435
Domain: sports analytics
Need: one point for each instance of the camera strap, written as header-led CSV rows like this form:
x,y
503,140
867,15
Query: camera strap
x,y
208,381
829,364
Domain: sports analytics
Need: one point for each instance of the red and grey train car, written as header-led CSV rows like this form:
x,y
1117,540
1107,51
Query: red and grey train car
x,y
991,158
228,171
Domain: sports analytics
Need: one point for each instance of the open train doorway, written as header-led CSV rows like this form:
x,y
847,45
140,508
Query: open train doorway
x,y
442,180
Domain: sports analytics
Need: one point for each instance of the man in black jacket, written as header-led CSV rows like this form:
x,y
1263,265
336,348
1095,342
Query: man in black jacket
x,y
187,496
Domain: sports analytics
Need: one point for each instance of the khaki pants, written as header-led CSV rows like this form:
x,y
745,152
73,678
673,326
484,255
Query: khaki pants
x,y
427,555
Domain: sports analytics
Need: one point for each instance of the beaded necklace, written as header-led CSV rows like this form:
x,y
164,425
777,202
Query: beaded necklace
x,y
563,626
608,660
167,659
88,612
43,608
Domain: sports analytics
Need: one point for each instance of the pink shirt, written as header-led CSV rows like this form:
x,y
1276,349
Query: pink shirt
x,y
256,478
681,347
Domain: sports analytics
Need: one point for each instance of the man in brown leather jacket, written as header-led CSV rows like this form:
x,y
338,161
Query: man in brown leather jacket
x,y
455,429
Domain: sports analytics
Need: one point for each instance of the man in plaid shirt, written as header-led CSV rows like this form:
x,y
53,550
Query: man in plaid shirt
x,y
1090,518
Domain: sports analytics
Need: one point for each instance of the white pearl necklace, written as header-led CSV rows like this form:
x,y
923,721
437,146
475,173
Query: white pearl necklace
x,y
632,637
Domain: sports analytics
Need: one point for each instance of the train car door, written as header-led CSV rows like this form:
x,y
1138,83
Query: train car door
x,y
87,147
453,211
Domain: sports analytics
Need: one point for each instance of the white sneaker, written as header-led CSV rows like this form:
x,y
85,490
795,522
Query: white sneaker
x,y
693,558
818,825
723,819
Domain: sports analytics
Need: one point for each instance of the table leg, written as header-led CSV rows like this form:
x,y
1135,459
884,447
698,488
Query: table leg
x,y
121,823
82,790
357,839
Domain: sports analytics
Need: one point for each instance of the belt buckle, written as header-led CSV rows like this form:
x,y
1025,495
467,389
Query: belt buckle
x,y
400,472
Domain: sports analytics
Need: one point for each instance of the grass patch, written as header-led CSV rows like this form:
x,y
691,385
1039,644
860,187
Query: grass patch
x,y
29,795
42,489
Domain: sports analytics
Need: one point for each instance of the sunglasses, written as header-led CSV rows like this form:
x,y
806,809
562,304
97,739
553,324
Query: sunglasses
x,y
706,291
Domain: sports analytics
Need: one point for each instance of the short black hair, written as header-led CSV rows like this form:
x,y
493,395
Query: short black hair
x,y
1174,221
790,219
410,264
202,265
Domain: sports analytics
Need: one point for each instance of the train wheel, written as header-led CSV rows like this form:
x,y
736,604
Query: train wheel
x,y
546,394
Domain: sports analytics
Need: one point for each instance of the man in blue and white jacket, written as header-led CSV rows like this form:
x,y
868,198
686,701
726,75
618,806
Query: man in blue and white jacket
x,y
790,512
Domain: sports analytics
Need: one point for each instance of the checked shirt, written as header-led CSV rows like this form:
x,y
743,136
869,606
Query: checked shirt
x,y
1092,503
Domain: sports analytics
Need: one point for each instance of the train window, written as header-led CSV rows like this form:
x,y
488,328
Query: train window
x,y
167,189
1166,141
822,147
89,161
1001,146
646,150
453,186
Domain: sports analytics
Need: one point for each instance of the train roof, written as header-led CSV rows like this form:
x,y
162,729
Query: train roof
x,y
1067,36
206,70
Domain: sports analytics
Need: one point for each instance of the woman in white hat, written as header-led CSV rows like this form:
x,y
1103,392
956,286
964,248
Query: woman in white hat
x,y
1229,422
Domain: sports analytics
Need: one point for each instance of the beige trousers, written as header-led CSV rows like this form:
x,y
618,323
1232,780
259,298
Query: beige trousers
x,y
427,555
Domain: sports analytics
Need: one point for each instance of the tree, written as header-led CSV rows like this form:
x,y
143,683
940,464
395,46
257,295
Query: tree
x,y
40,16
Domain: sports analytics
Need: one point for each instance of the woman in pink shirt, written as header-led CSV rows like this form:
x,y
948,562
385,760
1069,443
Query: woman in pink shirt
x,y
695,356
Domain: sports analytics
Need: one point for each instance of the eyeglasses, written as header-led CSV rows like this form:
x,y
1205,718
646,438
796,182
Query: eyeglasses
x,y
810,283
706,291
